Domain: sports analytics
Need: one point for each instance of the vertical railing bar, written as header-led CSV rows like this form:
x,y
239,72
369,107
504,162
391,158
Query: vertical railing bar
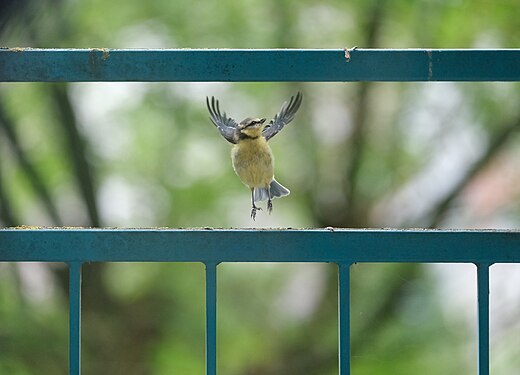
x,y
344,318
211,318
483,318
74,318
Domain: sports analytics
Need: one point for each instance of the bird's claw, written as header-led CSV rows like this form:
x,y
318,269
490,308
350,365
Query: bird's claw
x,y
269,206
253,212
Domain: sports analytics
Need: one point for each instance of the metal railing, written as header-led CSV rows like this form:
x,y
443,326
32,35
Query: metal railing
x,y
211,247
288,65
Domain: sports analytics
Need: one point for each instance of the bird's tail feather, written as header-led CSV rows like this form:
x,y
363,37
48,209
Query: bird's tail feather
x,y
277,191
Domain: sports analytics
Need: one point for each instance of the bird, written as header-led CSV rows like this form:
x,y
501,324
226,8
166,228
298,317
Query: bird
x,y
251,156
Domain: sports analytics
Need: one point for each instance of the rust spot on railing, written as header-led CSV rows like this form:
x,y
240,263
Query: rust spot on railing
x,y
105,52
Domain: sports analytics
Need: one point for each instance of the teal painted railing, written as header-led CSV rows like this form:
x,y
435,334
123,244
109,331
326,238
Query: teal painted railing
x,y
65,65
211,247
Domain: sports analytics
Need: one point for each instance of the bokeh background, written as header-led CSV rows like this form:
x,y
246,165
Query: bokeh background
x,y
434,155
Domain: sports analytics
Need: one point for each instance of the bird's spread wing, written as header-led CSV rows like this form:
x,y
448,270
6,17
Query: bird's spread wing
x,y
283,117
225,125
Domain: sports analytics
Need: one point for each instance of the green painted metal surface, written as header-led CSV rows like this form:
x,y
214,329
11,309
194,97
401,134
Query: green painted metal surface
x,y
344,247
74,318
211,247
338,245
305,65
211,318
344,317
483,318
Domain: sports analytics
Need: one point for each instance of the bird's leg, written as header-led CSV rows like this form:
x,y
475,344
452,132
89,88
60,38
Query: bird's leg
x,y
254,209
269,200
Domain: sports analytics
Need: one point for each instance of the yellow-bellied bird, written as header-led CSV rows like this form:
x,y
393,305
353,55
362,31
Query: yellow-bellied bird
x,y
252,157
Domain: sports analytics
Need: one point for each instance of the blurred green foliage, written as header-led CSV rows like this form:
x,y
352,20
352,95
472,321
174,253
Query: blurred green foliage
x,y
357,155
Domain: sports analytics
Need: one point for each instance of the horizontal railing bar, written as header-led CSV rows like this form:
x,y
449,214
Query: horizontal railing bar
x,y
244,245
281,65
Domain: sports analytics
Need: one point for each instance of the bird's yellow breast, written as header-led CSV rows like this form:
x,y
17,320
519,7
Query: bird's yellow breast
x,y
253,162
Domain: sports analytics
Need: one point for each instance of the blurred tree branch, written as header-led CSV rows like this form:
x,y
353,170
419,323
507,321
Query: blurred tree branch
x,y
496,144
387,308
8,8
352,212
306,354
77,149
357,141
6,212
36,181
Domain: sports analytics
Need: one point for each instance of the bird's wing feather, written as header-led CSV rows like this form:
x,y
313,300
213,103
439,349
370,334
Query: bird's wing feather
x,y
283,117
226,125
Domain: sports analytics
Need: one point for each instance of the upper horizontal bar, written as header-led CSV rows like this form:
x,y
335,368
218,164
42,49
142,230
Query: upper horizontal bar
x,y
175,245
282,65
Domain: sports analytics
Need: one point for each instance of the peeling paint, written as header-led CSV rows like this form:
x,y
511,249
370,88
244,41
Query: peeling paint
x,y
18,49
347,53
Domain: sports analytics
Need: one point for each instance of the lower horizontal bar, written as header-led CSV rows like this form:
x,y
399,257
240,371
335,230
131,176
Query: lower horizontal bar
x,y
281,65
324,245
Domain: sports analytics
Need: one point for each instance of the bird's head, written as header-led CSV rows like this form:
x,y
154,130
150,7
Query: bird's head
x,y
252,127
